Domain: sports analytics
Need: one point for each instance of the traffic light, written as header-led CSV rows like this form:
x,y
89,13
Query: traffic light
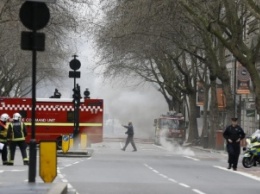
x,y
76,95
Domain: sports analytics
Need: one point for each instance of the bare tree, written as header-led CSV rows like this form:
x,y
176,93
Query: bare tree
x,y
68,19
231,29
137,40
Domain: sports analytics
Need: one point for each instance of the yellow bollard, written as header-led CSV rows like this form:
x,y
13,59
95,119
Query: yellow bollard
x,y
65,143
83,141
71,141
48,161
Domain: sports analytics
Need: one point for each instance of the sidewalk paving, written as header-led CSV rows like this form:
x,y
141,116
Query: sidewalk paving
x,y
34,188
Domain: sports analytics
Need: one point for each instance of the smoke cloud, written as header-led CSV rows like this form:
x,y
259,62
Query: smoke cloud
x,y
173,146
122,102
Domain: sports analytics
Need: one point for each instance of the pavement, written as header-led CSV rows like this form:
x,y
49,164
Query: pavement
x,y
37,187
34,188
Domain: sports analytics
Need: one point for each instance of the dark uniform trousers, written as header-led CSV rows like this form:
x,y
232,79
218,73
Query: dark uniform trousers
x,y
233,150
130,139
22,145
4,153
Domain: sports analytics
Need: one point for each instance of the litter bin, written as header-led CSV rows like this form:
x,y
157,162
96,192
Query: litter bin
x,y
219,140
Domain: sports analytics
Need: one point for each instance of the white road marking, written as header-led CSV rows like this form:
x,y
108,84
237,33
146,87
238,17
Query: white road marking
x,y
62,176
238,172
184,185
197,191
164,176
14,170
155,171
172,180
195,159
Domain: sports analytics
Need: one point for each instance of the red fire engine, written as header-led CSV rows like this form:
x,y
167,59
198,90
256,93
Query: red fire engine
x,y
170,127
54,117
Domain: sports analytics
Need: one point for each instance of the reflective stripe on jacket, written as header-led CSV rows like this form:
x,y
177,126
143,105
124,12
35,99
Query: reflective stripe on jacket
x,y
3,132
16,131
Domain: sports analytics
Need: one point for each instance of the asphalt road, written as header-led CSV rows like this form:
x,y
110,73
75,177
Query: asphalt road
x,y
152,169
157,170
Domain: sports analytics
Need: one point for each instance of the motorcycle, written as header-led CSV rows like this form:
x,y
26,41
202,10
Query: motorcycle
x,y
251,155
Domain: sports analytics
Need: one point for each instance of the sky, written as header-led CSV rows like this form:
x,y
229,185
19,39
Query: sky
x,y
122,103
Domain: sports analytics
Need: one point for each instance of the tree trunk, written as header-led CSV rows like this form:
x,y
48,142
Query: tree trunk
x,y
214,115
205,128
193,126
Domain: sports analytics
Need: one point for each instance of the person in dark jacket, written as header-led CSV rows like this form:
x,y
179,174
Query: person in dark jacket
x,y
130,136
16,135
3,136
233,135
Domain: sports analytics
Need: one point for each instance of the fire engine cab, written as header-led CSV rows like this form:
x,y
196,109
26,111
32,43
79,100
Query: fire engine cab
x,y
170,127
54,117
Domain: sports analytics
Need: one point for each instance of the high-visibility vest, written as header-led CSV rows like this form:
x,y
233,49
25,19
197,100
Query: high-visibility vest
x,y
17,136
3,132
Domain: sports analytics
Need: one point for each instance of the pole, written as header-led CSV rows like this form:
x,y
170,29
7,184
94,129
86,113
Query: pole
x,y
33,151
74,134
235,88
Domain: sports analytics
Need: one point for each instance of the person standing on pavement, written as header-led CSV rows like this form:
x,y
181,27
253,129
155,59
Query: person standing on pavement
x,y
233,135
130,136
3,136
16,135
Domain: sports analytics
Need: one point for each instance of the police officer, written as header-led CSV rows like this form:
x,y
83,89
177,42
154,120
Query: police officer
x,y
130,136
233,135
3,136
16,134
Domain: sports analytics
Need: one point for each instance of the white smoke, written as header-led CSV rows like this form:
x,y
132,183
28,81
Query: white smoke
x,y
173,146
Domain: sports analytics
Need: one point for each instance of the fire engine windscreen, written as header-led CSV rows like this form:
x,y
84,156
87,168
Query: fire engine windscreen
x,y
170,124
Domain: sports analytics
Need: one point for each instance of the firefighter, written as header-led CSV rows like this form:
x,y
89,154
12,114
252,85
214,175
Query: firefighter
x,y
3,136
130,136
16,135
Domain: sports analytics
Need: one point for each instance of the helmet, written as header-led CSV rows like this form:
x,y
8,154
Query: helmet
x,y
16,116
4,117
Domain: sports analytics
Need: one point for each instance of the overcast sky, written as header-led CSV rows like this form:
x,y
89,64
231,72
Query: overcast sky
x,y
141,105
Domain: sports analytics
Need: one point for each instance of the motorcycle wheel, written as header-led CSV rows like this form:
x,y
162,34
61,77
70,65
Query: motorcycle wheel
x,y
248,162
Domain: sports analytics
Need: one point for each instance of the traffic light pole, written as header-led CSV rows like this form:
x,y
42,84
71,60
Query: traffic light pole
x,y
33,150
34,16
74,115
75,65
76,100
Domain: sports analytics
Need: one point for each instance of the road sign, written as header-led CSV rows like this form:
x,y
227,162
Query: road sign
x,y
250,113
74,74
29,42
75,64
34,15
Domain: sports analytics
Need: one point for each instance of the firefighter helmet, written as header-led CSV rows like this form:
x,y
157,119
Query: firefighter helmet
x,y
16,116
4,117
